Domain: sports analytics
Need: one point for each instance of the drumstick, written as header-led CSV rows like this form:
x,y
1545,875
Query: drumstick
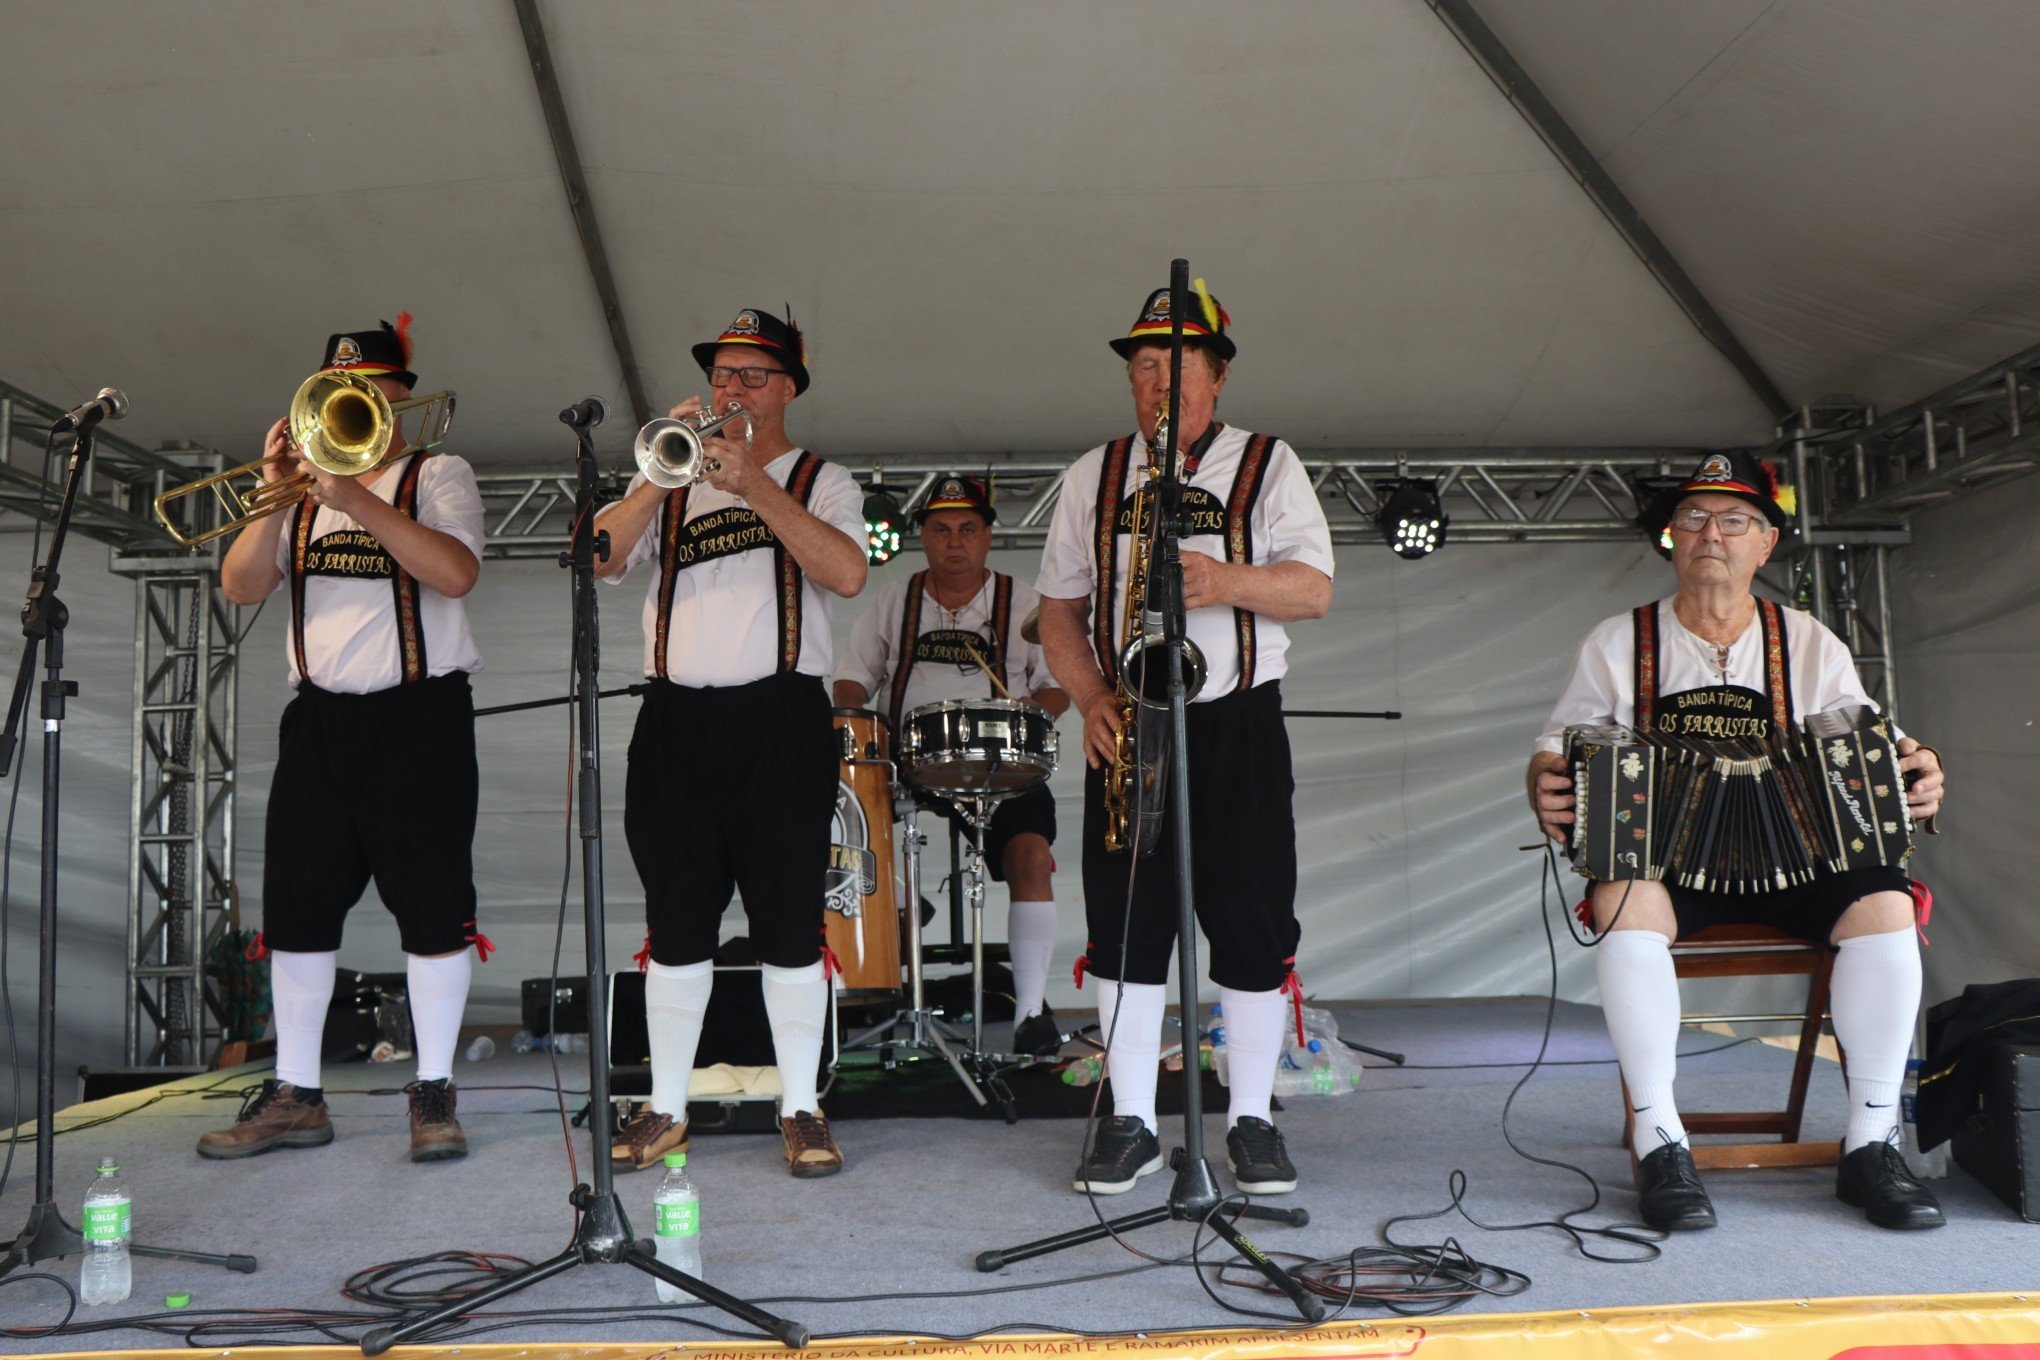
x,y
986,667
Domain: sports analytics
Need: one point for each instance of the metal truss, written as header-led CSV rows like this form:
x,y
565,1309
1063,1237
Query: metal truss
x,y
181,894
113,506
1492,495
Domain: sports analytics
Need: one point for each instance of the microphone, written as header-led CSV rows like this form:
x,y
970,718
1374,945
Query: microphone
x,y
586,413
110,404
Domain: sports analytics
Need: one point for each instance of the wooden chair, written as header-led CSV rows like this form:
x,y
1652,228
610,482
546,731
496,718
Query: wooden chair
x,y
1755,951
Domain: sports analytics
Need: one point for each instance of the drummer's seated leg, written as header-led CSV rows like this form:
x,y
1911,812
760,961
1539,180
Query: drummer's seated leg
x,y
1027,866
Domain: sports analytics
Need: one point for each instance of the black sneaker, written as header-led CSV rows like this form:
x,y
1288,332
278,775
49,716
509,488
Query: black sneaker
x,y
1038,1035
1875,1179
1668,1191
1125,1151
1258,1158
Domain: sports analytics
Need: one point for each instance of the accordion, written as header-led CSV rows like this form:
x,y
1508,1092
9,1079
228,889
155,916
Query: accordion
x,y
1738,816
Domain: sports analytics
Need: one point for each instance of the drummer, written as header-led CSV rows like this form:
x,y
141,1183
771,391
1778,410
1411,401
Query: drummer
x,y
952,631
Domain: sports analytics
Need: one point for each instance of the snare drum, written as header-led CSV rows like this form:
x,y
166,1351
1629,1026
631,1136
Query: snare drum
x,y
977,746
862,920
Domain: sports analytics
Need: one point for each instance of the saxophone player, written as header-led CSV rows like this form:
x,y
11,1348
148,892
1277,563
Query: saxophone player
x,y
1256,556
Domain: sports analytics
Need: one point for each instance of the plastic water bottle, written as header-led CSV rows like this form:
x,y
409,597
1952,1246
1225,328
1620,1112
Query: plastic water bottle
x,y
1083,1071
1926,1165
106,1276
676,1210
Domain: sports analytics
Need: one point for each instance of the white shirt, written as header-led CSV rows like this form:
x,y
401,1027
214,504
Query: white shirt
x,y
1288,525
725,624
350,620
1601,690
875,648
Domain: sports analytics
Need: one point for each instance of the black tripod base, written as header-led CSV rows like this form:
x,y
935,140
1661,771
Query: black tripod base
x,y
604,1238
1192,1201
48,1236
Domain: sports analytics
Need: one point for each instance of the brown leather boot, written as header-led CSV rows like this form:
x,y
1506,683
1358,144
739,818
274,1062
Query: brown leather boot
x,y
272,1116
435,1132
645,1139
810,1148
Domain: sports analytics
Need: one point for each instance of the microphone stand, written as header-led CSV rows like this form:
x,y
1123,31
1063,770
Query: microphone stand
x,y
602,1234
1194,1197
43,617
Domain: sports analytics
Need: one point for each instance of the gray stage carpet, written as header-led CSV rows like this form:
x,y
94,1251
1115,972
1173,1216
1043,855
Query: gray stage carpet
x,y
921,1197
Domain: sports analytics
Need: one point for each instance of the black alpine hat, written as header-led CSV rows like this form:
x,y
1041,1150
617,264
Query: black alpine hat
x,y
754,326
384,352
1737,474
954,491
1205,325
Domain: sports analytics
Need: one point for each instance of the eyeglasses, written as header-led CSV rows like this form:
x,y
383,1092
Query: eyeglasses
x,y
718,376
1732,523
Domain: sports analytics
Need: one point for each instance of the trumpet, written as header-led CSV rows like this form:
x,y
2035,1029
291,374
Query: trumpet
x,y
340,422
669,451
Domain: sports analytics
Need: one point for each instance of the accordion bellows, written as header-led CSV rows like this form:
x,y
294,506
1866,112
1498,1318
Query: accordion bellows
x,y
1738,816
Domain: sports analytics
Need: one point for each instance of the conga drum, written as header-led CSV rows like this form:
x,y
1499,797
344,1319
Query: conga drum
x,y
862,920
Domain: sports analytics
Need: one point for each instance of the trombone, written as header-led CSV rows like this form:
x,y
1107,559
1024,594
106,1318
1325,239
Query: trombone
x,y
343,425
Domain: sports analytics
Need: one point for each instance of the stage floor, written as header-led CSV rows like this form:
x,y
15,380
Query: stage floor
x,y
921,1197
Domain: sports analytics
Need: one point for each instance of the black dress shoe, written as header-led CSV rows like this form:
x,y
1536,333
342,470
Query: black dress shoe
x,y
1038,1035
1875,1179
1668,1191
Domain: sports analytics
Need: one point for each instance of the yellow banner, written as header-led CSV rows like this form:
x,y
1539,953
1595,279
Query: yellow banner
x,y
1926,1327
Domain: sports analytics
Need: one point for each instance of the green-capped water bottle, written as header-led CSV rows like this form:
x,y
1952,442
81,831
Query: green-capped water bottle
x,y
676,1225
106,1275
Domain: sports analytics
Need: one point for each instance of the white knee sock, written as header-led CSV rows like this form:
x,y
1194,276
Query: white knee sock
x,y
1255,1025
1134,1060
439,989
676,997
797,1006
1030,936
1875,1001
301,987
1640,997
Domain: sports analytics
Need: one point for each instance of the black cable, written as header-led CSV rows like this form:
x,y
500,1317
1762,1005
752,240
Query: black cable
x,y
70,1311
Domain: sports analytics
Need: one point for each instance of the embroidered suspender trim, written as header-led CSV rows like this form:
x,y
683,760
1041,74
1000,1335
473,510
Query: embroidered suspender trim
x,y
301,542
673,516
404,586
411,658
910,633
1239,539
1645,627
800,485
1111,490
1777,667
1002,615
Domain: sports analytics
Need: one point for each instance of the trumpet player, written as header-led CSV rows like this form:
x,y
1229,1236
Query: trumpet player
x,y
732,775
1256,556
375,765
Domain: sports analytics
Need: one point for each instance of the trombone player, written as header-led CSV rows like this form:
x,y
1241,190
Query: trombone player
x,y
1256,556
375,769
732,775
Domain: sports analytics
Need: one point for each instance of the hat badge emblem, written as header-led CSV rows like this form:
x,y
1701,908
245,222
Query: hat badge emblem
x,y
1158,307
745,324
1715,468
952,488
348,351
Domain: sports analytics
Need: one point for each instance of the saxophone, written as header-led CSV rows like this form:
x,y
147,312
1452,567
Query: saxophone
x,y
1134,780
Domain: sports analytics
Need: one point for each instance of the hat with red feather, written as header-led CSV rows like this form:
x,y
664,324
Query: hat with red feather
x,y
1203,324
1737,473
385,352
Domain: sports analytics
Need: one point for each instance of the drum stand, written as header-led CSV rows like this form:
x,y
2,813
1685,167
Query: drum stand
x,y
925,1028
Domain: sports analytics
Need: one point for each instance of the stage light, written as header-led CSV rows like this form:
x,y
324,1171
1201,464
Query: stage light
x,y
1410,519
882,518
1647,487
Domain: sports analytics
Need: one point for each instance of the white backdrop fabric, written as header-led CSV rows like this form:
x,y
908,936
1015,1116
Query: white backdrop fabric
x,y
1412,882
